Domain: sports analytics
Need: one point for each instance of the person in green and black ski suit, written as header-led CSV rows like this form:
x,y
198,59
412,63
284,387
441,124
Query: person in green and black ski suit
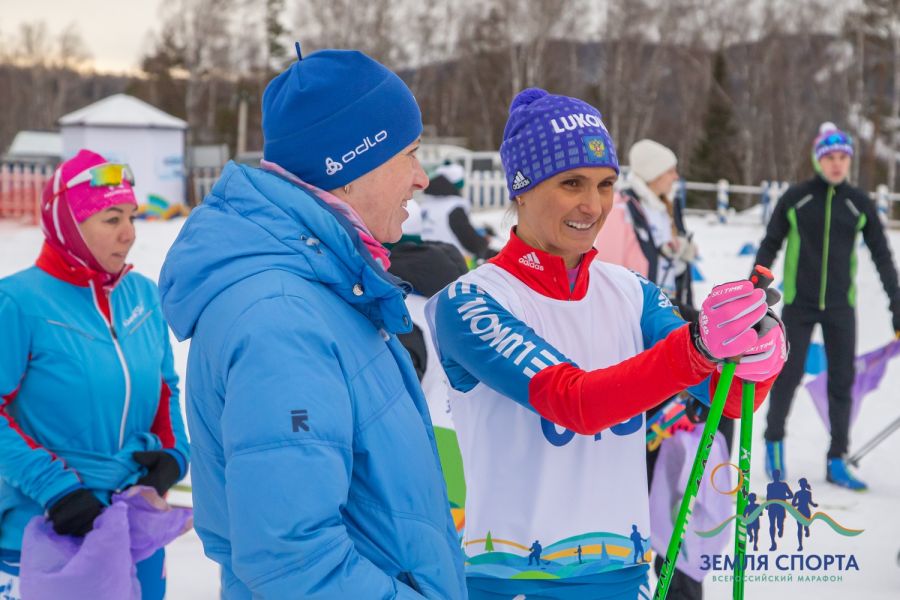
x,y
822,219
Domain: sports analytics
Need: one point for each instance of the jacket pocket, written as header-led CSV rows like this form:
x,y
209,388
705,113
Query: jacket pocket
x,y
70,328
140,322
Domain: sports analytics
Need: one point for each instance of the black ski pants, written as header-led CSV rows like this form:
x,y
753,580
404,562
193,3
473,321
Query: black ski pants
x,y
839,331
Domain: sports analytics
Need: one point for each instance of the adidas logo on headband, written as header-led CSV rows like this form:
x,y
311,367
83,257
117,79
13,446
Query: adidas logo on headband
x,y
520,181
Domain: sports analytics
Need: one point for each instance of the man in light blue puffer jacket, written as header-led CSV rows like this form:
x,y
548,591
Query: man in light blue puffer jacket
x,y
315,470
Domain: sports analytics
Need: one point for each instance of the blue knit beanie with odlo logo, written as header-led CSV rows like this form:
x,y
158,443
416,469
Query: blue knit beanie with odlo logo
x,y
548,134
336,115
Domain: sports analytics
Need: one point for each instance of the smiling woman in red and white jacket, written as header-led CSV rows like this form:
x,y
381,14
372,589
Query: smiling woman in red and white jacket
x,y
553,358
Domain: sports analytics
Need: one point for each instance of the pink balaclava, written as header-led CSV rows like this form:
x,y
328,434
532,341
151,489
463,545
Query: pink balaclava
x,y
63,210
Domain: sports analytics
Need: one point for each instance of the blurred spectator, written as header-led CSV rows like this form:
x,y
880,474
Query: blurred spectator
x,y
645,230
445,215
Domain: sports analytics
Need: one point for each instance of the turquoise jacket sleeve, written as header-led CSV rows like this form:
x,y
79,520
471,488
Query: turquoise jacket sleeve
x,y
24,463
659,318
288,439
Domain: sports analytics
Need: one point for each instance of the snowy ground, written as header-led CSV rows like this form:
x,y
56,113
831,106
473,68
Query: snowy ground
x,y
192,576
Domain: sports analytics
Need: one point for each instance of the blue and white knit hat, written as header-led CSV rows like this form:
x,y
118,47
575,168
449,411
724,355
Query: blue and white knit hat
x,y
335,115
831,139
548,134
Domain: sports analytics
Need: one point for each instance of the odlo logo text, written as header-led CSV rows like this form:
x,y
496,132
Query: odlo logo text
x,y
332,166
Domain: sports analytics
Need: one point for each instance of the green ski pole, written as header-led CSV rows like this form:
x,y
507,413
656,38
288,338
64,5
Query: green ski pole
x,y
740,526
695,478
761,278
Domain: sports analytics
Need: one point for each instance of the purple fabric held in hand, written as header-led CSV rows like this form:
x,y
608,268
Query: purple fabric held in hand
x,y
100,565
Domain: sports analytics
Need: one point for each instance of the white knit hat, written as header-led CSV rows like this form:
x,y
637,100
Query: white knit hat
x,y
648,159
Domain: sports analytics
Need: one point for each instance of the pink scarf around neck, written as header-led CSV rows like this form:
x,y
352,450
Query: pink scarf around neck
x,y
379,253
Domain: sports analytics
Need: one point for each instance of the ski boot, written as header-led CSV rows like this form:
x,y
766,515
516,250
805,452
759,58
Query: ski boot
x,y
838,474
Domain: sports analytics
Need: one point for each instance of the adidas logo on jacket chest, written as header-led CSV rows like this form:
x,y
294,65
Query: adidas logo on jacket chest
x,y
532,261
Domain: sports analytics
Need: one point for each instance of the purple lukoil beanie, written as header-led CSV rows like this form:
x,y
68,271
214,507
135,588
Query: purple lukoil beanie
x,y
547,134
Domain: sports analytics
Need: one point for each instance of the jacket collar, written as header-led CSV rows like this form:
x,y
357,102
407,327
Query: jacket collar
x,y
273,224
383,289
53,262
378,251
820,181
544,273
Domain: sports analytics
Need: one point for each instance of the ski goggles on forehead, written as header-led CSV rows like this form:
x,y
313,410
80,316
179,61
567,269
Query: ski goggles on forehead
x,y
835,138
107,174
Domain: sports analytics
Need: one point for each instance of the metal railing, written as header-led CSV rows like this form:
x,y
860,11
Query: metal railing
x,y
485,186
769,192
20,190
486,189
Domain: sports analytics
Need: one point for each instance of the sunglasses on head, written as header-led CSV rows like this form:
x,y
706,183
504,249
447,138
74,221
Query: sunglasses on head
x,y
106,174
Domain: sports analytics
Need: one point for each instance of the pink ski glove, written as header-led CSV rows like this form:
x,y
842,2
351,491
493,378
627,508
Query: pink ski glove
x,y
727,318
766,358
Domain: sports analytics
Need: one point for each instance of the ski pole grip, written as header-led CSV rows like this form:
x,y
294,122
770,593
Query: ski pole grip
x,y
761,277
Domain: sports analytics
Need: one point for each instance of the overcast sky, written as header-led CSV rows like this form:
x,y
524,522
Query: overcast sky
x,y
114,31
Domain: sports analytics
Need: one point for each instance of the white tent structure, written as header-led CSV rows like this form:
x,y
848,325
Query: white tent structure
x,y
125,129
36,147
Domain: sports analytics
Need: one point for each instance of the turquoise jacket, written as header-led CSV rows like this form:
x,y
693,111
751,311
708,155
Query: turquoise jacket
x,y
315,470
79,394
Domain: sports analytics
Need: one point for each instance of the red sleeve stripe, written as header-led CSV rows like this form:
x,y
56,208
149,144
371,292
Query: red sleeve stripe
x,y
590,401
162,422
7,399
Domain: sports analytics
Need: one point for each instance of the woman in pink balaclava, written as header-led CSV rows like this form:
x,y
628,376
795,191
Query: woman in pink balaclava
x,y
88,391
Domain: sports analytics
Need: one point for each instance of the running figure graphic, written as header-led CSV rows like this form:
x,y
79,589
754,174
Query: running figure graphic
x,y
802,501
752,526
777,490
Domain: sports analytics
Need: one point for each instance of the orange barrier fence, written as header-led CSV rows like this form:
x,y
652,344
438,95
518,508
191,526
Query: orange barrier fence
x,y
20,191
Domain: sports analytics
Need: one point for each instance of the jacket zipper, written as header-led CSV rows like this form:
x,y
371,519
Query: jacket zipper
x,y
121,355
823,283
